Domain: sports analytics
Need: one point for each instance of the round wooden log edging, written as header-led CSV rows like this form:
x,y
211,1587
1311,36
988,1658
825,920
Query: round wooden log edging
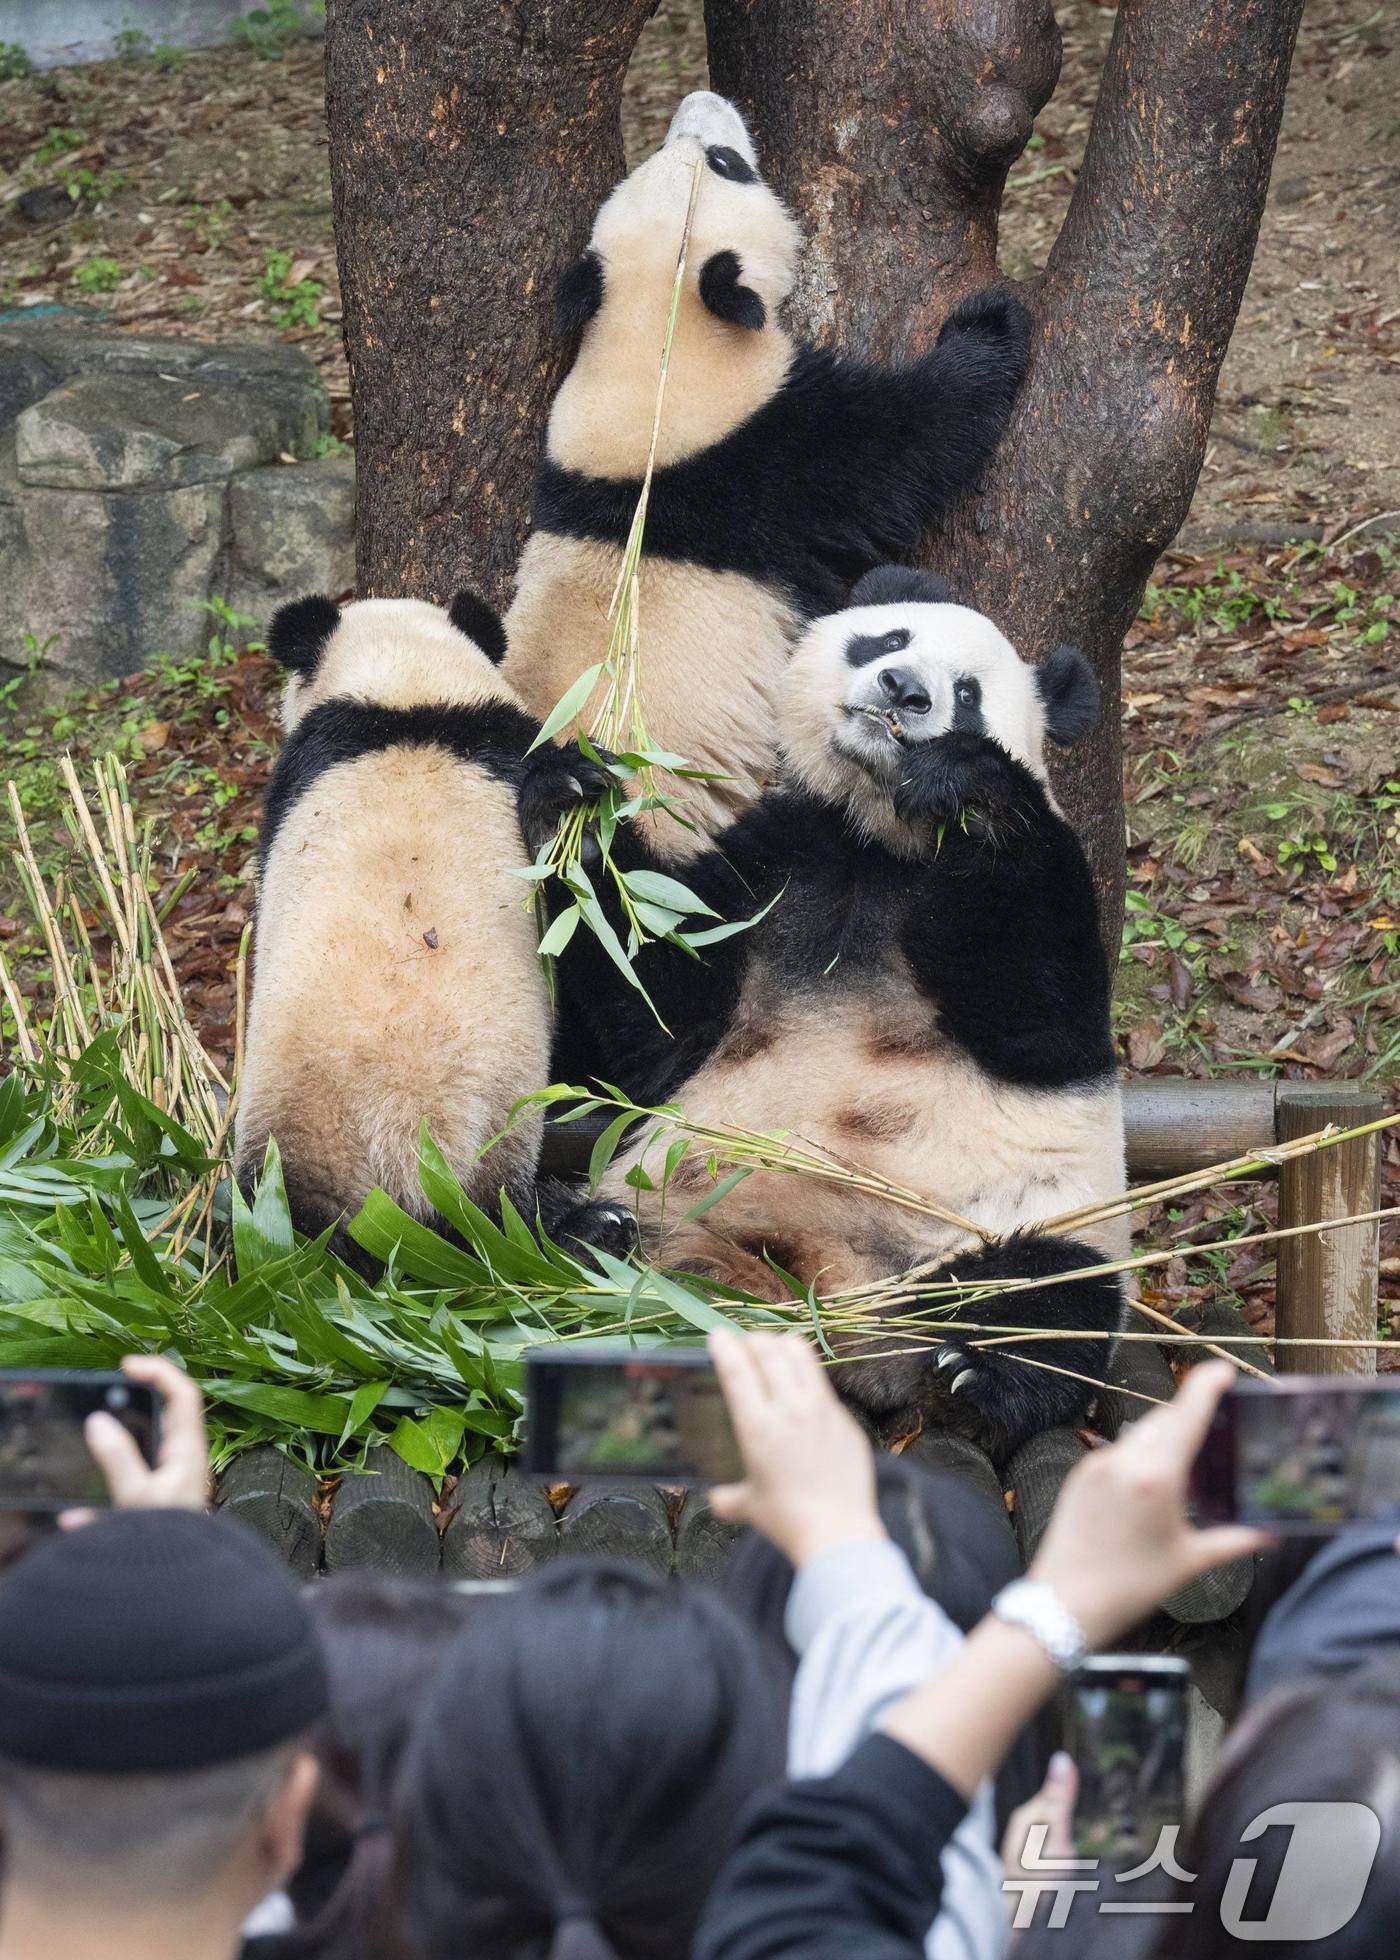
x,y
1035,1474
629,1521
501,1524
276,1498
384,1519
704,1543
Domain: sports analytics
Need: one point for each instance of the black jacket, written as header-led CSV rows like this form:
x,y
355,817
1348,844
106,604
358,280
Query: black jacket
x,y
842,1867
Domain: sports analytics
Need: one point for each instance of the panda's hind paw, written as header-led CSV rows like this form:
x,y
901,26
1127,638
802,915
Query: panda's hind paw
x,y
994,315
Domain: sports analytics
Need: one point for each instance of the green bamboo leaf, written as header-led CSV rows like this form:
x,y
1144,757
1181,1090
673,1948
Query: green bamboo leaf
x,y
720,1192
605,1148
568,707
429,1442
658,889
560,933
711,935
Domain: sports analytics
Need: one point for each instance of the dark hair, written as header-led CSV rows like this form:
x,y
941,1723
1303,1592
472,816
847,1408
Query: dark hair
x,y
576,1775
1330,1740
962,1552
384,1640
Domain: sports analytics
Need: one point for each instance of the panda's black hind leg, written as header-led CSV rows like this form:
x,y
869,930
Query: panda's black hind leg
x,y
579,1223
1005,1384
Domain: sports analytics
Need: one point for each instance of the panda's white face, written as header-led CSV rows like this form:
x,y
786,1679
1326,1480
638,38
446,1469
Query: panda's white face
x,y
394,653
866,685
729,354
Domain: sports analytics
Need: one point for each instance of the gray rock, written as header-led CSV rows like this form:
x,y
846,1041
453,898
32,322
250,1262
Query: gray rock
x,y
156,431
292,531
138,479
117,579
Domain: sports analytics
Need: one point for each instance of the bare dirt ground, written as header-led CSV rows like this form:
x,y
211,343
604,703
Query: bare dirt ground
x,y
1262,684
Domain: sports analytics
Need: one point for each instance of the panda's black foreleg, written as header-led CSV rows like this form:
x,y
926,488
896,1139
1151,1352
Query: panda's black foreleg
x,y
577,1222
1002,1388
1020,1387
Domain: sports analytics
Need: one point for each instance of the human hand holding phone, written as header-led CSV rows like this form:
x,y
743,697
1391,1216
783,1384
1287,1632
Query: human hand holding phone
x,y
809,1471
178,1480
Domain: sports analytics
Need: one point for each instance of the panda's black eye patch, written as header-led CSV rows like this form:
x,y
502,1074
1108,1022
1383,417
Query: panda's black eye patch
x,y
967,705
866,647
728,163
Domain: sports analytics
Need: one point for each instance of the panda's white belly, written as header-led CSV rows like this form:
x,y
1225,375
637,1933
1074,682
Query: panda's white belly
x,y
713,647
834,1079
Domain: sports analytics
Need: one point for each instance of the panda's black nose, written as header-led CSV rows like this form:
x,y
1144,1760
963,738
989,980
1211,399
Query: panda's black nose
x,y
904,690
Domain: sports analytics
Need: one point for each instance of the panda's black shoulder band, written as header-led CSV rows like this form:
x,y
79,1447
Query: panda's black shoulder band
x,y
493,737
297,635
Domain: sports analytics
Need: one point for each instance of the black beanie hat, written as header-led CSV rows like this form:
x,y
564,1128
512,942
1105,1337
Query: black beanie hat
x,y
153,1641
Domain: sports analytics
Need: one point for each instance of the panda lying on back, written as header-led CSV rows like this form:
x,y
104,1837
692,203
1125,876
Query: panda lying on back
x,y
396,977
927,999
783,472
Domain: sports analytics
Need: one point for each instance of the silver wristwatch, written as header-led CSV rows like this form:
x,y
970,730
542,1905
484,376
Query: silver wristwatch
x,y
1031,1604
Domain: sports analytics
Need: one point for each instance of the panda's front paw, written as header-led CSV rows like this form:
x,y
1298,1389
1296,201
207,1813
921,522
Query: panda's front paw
x,y
604,1224
961,778
554,782
1008,1398
995,317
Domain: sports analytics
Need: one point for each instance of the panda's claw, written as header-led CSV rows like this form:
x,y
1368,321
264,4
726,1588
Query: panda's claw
x,y
961,1381
949,1357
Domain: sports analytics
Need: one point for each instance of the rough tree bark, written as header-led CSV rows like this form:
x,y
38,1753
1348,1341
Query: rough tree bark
x,y
471,144
890,125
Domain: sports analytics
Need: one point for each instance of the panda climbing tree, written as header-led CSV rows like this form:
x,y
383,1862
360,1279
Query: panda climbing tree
x,y
470,156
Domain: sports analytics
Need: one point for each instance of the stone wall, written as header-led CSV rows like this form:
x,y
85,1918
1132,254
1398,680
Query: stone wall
x,y
141,477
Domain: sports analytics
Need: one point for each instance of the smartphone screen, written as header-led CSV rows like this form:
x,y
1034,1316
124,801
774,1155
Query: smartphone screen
x,y
1127,1734
1305,1454
45,1463
655,1414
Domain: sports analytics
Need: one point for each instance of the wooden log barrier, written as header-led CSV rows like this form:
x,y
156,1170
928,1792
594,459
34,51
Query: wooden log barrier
x,y
608,1520
276,1498
704,1543
384,1519
1034,1476
502,1524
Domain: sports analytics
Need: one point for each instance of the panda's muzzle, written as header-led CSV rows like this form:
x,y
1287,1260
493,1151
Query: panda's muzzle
x,y
904,691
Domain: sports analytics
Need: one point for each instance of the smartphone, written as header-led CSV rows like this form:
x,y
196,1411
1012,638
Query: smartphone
x,y
654,1414
45,1463
1127,1734
1304,1454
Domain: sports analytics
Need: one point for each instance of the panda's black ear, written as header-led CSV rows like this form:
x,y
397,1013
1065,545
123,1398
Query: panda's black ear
x,y
297,636
900,585
725,294
580,292
481,623
1069,689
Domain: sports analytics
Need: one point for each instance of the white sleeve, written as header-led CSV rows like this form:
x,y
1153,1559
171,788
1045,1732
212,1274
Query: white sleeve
x,y
866,1634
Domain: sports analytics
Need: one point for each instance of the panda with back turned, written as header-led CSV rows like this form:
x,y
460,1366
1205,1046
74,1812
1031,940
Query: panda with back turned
x,y
927,1000
783,472
396,980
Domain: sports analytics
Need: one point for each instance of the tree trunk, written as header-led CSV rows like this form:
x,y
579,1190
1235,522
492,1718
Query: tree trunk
x,y
890,125
471,143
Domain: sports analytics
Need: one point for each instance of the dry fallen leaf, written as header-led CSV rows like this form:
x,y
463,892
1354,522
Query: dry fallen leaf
x,y
430,938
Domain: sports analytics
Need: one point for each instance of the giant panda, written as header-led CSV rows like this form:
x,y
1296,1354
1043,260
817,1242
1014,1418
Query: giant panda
x,y
782,471
927,1000
396,976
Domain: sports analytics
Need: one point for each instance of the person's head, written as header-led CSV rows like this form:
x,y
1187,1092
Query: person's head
x,y
384,1640
576,1774
1332,1742
158,1674
961,1553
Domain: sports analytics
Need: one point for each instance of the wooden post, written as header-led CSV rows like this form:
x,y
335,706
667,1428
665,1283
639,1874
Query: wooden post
x,y
502,1524
608,1520
277,1499
384,1519
704,1543
1328,1282
1174,1126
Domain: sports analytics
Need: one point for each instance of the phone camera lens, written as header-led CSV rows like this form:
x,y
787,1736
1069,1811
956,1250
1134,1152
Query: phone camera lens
x,y
118,1398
